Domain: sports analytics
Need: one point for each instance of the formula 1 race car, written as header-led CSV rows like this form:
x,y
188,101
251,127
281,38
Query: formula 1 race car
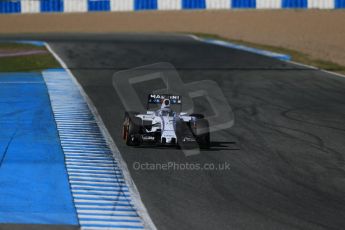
x,y
164,126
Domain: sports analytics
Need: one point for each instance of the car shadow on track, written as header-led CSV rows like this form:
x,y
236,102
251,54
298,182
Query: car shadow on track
x,y
223,145
214,146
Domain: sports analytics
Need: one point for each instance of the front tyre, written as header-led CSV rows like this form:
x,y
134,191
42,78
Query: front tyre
x,y
185,136
201,132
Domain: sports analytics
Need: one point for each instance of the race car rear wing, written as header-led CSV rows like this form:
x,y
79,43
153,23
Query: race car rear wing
x,y
158,99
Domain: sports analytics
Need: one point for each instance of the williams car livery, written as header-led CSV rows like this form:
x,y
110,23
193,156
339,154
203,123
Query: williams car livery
x,y
164,126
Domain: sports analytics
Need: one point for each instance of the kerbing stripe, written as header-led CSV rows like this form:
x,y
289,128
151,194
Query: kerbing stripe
x,y
100,188
89,210
101,196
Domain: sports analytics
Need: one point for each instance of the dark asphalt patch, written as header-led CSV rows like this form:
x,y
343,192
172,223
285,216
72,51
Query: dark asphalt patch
x,y
286,149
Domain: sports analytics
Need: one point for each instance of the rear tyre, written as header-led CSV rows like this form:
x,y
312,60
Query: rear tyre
x,y
131,131
125,126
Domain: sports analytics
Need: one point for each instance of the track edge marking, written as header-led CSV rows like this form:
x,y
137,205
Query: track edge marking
x,y
141,209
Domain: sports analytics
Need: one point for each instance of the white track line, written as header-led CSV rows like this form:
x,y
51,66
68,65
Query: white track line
x,y
141,209
292,62
96,182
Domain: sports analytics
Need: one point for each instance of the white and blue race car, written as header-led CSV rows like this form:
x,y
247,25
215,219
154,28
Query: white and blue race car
x,y
164,126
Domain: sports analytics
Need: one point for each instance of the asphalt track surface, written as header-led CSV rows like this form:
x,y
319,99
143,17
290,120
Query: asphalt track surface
x,y
286,148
